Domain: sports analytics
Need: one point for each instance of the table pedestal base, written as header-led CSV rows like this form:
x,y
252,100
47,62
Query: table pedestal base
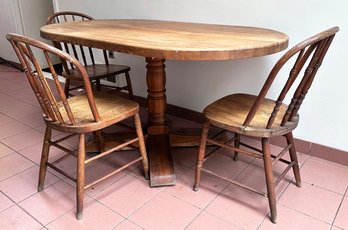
x,y
161,161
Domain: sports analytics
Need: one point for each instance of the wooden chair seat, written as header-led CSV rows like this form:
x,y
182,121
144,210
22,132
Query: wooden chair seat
x,y
111,109
99,71
230,112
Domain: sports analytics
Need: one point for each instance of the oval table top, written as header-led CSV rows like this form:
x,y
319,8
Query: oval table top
x,y
168,39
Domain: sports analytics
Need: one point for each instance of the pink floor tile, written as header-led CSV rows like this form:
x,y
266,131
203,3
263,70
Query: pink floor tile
x,y
336,228
5,150
4,202
311,200
165,211
239,207
24,139
13,164
95,189
95,216
127,225
33,153
185,156
325,174
224,166
289,219
208,221
254,177
16,218
210,187
50,203
342,215
19,110
27,95
33,121
9,86
127,195
14,75
12,128
5,119
24,184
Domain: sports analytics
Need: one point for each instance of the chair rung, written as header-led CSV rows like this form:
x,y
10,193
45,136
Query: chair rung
x,y
209,154
112,173
65,138
70,152
250,147
111,150
61,171
234,148
235,183
283,174
278,157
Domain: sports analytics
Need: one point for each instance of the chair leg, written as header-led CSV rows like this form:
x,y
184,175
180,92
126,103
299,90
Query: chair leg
x,y
80,176
67,87
269,178
236,145
293,157
101,143
200,157
129,85
44,158
97,82
142,147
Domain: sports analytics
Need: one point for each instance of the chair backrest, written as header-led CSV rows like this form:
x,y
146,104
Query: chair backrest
x,y
309,53
51,97
81,51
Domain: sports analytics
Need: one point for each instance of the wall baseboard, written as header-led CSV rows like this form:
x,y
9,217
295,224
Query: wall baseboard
x,y
302,146
11,64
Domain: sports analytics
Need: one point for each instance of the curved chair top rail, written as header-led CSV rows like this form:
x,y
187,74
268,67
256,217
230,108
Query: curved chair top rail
x,y
310,51
51,104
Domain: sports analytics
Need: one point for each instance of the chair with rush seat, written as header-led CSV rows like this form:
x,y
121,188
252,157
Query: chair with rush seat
x,y
96,72
88,112
262,118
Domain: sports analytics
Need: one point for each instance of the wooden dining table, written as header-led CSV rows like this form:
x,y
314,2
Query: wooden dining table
x,y
159,41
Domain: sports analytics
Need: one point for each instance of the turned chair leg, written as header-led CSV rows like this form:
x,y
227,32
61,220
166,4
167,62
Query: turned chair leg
x,y
80,185
44,158
142,147
201,153
269,178
236,145
293,157
129,85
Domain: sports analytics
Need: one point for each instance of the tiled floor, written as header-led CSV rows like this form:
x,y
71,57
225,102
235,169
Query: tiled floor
x,y
125,201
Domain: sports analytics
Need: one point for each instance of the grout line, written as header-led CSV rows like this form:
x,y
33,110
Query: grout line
x,y
339,207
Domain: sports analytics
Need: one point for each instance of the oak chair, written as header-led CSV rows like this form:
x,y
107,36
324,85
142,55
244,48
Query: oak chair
x,y
79,115
96,72
262,118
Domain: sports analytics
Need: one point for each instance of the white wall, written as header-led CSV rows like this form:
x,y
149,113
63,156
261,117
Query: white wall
x,y
22,17
195,84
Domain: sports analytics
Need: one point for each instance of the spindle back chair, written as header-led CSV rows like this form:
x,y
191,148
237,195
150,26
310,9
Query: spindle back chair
x,y
85,113
87,55
260,117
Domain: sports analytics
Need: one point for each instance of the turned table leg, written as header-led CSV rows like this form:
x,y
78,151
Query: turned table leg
x,y
161,162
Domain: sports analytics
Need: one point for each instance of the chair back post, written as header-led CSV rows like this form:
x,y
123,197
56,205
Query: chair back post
x,y
66,16
312,49
51,105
